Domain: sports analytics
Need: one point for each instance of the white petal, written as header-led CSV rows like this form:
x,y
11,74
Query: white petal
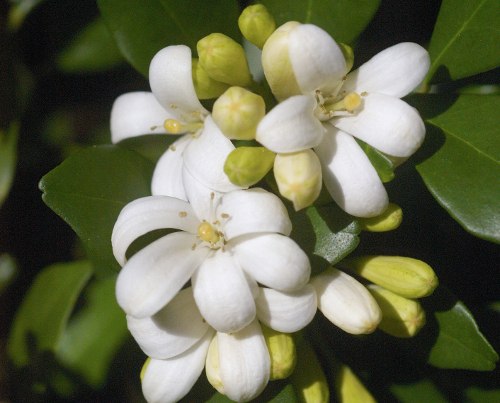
x,y
171,81
154,275
201,198
147,214
346,302
291,126
286,312
136,113
253,211
274,260
167,176
223,294
349,176
317,60
244,363
395,71
173,330
170,380
386,123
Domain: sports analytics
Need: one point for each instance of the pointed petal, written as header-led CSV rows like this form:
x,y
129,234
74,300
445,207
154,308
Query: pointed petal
x,y
223,294
136,113
395,71
170,380
171,81
286,312
244,362
291,126
317,60
252,211
147,214
154,275
349,176
173,330
273,260
386,123
167,176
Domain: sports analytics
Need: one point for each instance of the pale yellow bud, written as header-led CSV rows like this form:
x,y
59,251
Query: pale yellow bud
x,y
224,59
389,220
298,176
348,55
245,166
204,85
401,317
281,347
349,387
256,24
212,366
144,368
410,278
237,112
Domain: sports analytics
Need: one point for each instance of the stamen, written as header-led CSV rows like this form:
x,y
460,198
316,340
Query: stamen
x,y
352,101
173,126
183,214
208,234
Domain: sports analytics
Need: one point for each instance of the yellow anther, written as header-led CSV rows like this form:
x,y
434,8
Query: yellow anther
x,y
183,214
207,233
173,126
352,101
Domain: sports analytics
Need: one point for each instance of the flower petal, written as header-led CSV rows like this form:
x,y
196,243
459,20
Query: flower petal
x,y
349,176
147,214
170,380
291,126
173,330
136,113
386,123
273,260
395,71
201,198
223,294
253,211
154,275
244,362
286,312
171,81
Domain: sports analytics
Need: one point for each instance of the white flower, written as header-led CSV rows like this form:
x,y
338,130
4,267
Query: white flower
x,y
325,108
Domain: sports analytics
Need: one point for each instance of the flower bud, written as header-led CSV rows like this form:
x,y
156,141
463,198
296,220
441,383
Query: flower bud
x,y
245,166
204,85
145,367
401,317
212,366
298,176
389,220
237,112
256,24
349,387
224,59
348,55
281,347
410,278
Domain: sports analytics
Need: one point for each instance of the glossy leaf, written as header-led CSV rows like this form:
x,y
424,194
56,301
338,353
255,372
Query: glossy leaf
x,y
382,164
8,158
143,27
343,19
89,189
465,39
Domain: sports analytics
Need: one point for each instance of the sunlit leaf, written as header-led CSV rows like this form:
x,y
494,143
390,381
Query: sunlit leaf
x,y
8,159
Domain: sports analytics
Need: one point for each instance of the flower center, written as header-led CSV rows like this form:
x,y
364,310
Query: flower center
x,y
342,104
207,233
173,126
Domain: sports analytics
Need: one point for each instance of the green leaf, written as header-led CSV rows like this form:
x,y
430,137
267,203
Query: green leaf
x,y
19,11
465,39
344,20
8,271
89,189
41,319
463,169
422,391
143,27
382,164
8,158
478,395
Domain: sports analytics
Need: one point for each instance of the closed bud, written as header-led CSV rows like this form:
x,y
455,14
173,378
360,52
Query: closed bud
x,y
281,349
212,366
401,317
410,278
224,59
145,367
389,220
205,86
256,24
298,176
349,387
237,112
245,166
348,55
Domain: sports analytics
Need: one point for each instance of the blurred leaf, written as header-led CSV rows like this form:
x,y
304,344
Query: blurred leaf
x,y
275,392
41,319
382,164
89,189
421,391
344,20
93,50
19,11
465,39
8,159
477,395
143,27
8,271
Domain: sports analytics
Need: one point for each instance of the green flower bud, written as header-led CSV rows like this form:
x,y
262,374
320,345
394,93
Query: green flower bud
x,y
237,112
256,24
348,55
144,367
281,347
298,176
224,60
212,366
410,278
401,317
389,220
245,166
349,387
204,85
